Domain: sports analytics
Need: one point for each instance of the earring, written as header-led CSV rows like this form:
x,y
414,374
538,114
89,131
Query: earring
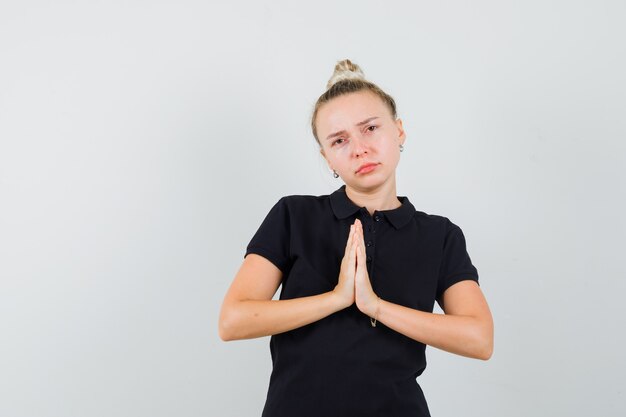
x,y
401,148
335,174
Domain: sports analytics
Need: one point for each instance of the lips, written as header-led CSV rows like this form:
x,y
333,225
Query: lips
x,y
365,168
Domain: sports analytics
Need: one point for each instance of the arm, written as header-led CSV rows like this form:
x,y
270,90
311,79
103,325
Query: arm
x,y
248,310
466,328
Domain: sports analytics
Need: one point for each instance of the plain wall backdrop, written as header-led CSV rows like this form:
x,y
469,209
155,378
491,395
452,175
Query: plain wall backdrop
x,y
143,142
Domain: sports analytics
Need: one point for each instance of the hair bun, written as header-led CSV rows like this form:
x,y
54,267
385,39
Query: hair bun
x,y
345,70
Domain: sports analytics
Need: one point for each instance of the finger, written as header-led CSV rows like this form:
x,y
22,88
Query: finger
x,y
357,256
353,253
360,234
360,260
352,239
356,227
356,233
349,241
361,270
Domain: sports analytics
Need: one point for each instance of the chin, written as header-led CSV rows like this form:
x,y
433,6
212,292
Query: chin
x,y
369,182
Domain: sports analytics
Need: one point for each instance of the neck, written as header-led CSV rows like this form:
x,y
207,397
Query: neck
x,y
375,199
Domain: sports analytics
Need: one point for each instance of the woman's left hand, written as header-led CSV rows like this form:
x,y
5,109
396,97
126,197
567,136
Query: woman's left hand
x,y
365,297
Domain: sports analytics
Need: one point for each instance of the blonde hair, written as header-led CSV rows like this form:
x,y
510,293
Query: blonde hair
x,y
349,78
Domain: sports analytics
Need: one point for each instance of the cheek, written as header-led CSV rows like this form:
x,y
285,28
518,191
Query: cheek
x,y
392,154
335,158
340,153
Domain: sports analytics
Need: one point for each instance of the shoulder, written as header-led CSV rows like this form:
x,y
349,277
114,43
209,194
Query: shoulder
x,y
304,198
435,221
298,208
437,228
301,202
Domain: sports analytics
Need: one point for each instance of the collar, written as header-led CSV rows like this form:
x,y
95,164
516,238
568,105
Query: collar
x,y
343,208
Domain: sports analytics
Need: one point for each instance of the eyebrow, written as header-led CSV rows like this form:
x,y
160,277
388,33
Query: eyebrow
x,y
342,132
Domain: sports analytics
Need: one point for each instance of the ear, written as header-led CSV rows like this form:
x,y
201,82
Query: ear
x,y
401,133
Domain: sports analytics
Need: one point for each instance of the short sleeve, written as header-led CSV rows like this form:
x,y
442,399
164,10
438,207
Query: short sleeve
x,y
272,238
456,264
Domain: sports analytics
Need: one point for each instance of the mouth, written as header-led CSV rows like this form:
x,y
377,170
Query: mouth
x,y
366,168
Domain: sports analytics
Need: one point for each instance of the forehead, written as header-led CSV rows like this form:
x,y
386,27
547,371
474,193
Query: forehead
x,y
346,110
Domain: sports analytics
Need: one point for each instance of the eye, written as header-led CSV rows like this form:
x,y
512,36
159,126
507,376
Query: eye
x,y
372,128
338,142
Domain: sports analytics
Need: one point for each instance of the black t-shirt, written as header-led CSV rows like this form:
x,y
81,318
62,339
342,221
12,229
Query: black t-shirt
x,y
341,365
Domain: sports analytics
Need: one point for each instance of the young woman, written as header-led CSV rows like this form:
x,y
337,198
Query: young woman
x,y
360,271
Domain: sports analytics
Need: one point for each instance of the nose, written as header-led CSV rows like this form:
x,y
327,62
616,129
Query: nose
x,y
358,147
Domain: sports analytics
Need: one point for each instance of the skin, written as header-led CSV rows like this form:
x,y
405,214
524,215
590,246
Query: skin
x,y
248,311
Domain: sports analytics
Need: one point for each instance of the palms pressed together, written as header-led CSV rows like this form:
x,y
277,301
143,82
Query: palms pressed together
x,y
354,283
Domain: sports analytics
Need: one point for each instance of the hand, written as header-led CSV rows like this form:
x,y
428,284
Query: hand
x,y
365,297
345,287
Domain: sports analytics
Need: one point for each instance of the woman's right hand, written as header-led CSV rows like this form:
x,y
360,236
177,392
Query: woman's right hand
x,y
345,287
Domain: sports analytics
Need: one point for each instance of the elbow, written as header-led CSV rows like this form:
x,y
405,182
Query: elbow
x,y
483,343
224,333
485,350
480,350
234,323
226,326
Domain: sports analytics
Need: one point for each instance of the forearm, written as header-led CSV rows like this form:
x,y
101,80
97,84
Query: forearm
x,y
249,319
462,335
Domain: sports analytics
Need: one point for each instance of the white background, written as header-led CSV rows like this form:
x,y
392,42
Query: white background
x,y
143,142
